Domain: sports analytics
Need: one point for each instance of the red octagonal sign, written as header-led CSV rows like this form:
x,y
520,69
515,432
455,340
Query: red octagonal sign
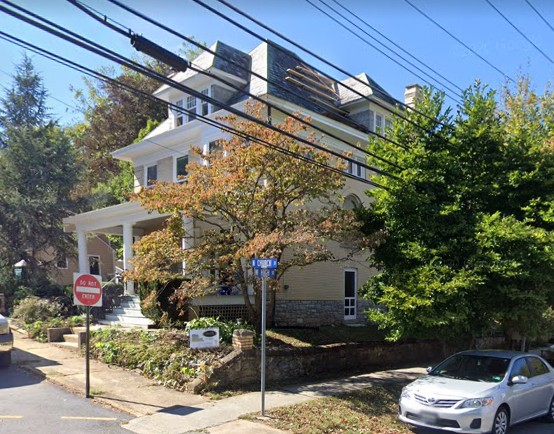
x,y
87,290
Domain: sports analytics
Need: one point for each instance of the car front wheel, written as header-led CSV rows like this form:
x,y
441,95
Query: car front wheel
x,y
501,421
5,359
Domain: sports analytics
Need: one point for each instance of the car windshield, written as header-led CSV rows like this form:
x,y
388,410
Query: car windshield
x,y
473,368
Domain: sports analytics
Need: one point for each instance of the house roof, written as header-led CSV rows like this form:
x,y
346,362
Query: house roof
x,y
369,87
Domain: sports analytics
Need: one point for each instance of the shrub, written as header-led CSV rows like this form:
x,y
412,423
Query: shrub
x,y
39,329
33,309
161,355
226,328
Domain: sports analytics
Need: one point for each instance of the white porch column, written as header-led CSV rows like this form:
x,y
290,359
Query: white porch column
x,y
188,239
84,266
128,255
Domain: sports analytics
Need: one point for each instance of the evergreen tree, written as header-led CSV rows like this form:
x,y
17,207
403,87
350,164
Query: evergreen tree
x,y
37,175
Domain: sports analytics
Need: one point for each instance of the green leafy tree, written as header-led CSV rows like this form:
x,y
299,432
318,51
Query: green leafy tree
x,y
469,246
37,175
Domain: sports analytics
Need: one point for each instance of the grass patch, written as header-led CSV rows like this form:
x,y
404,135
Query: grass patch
x,y
305,337
372,410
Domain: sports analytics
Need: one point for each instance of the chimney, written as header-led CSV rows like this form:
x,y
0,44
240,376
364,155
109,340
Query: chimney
x,y
411,93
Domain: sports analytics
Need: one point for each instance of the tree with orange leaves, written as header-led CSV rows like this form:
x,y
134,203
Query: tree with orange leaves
x,y
255,201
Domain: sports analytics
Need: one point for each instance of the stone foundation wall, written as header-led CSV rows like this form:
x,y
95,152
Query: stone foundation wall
x,y
288,365
315,313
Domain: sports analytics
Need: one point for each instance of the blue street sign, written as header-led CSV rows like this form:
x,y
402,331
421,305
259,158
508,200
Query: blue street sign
x,y
269,263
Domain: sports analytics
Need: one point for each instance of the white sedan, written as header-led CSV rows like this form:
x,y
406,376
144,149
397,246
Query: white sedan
x,y
480,392
6,343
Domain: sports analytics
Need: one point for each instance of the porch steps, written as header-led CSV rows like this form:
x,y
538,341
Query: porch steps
x,y
127,315
71,340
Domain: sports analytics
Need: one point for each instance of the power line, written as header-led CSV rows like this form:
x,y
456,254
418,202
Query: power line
x,y
395,44
248,70
459,41
311,53
285,112
388,56
541,16
519,31
95,74
117,58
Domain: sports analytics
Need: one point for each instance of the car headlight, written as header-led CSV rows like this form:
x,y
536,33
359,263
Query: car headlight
x,y
477,402
405,394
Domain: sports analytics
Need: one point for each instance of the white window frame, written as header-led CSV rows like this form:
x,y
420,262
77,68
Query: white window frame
x,y
205,108
356,169
176,177
350,303
179,116
147,182
378,123
191,105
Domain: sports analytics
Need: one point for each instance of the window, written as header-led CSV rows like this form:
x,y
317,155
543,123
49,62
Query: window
x,y
181,168
191,106
179,114
356,169
378,124
351,202
537,367
94,265
204,105
61,262
388,127
520,368
151,175
371,120
350,284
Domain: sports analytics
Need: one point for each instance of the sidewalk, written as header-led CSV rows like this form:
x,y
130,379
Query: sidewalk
x,y
159,410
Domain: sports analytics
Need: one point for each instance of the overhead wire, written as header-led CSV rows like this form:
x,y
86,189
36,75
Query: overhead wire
x,y
320,58
290,114
248,70
517,29
459,41
204,119
388,56
541,16
398,46
139,68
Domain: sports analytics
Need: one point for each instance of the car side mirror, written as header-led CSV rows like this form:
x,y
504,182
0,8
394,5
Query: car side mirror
x,y
519,379
429,369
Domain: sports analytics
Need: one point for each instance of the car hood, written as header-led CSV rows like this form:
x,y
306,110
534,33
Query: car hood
x,y
450,387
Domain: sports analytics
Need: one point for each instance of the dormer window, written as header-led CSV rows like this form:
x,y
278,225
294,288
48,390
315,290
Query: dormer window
x,y
191,107
179,115
204,105
151,175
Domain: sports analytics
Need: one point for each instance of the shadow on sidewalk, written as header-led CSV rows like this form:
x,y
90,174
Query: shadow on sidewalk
x,y
13,377
25,358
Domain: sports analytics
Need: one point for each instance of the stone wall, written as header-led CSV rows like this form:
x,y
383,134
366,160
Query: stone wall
x,y
315,313
288,365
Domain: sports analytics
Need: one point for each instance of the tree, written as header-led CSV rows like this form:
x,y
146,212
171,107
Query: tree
x,y
115,117
253,200
468,226
37,174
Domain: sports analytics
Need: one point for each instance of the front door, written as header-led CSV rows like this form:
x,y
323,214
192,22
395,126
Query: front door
x,y
350,283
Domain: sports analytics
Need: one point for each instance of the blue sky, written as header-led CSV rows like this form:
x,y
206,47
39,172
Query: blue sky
x,y
473,21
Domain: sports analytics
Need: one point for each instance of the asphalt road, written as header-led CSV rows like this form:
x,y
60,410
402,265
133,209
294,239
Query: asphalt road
x,y
30,405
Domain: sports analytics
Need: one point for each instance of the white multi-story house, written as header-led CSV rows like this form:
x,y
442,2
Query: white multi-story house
x,y
319,294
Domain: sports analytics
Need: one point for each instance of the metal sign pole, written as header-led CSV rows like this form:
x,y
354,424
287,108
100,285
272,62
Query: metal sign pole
x,y
87,356
264,287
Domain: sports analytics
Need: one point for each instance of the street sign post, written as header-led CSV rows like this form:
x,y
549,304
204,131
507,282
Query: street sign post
x,y
87,291
264,268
